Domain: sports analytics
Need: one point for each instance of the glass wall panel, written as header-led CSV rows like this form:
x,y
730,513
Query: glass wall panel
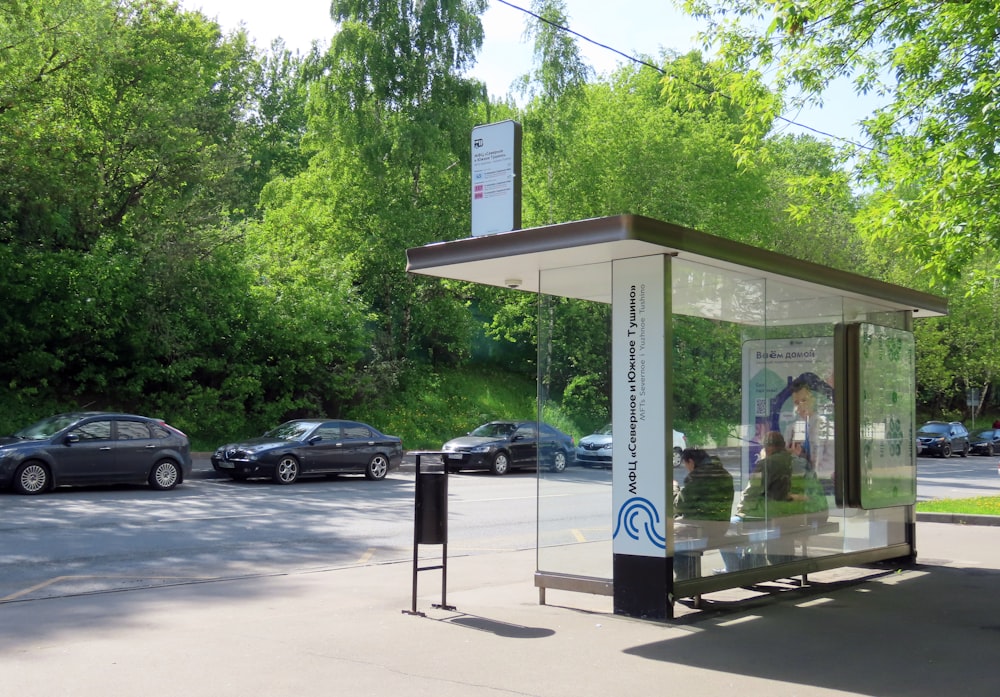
x,y
574,359
715,312
754,392
755,386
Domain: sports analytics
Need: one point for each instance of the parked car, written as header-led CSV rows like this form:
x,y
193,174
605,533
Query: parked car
x,y
942,438
985,442
595,450
91,447
500,446
311,446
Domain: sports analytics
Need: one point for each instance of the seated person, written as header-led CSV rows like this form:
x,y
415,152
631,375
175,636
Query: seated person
x,y
783,493
703,506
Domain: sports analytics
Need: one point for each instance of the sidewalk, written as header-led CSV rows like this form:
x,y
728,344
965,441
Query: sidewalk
x,y
931,630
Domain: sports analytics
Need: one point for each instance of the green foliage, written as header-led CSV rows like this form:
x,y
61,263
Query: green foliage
x,y
979,505
215,235
132,136
707,362
931,161
436,407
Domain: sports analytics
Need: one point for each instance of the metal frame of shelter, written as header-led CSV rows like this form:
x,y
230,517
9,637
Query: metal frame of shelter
x,y
850,334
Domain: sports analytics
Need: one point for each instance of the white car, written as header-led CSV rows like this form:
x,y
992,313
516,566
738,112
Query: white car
x,y
595,450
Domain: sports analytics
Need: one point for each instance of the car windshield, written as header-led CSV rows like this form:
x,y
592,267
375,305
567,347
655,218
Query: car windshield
x,y
985,435
494,430
606,431
290,430
46,428
934,428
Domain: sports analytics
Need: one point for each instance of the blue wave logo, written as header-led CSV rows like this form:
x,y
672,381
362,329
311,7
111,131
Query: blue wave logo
x,y
638,517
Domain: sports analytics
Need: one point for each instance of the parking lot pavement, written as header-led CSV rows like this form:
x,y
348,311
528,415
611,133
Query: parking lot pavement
x,y
910,632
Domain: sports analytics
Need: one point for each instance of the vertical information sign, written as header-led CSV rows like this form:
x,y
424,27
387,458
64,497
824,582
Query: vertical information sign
x,y
496,178
639,407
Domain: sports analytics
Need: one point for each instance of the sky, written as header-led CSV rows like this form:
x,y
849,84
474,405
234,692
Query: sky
x,y
630,26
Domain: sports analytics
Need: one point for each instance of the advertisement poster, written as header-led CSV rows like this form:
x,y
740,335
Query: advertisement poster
x,y
638,406
788,387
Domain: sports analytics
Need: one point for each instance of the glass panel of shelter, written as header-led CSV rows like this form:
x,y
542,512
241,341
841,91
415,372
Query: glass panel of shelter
x,y
766,415
574,506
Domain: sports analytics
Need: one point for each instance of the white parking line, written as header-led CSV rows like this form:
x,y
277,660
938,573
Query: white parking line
x,y
185,519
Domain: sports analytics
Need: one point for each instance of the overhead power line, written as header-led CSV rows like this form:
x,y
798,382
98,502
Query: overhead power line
x,y
640,61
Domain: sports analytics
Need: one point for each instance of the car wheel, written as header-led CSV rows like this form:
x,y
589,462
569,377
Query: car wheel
x,y
31,478
287,470
165,475
559,461
500,464
677,457
377,468
946,450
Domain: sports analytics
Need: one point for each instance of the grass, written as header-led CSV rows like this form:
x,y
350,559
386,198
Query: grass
x,y
980,505
439,406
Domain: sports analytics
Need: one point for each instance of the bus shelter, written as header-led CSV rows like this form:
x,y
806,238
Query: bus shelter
x,y
811,376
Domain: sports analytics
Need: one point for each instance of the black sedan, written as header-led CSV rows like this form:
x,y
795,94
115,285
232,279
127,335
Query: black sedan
x,y
94,448
500,446
985,442
311,446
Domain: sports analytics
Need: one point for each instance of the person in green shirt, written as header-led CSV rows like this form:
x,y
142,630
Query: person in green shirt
x,y
703,506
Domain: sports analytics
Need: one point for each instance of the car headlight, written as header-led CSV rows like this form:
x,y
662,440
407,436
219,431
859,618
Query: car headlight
x,y
606,446
482,448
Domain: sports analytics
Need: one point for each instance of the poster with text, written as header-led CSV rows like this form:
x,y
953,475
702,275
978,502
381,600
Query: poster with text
x,y
638,406
788,387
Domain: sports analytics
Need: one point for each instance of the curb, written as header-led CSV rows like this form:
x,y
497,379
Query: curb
x,y
958,518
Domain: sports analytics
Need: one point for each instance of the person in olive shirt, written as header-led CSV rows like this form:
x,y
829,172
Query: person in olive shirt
x,y
771,483
784,493
703,506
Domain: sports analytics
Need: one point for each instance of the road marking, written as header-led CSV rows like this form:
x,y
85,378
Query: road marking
x,y
214,517
60,579
517,498
578,535
367,556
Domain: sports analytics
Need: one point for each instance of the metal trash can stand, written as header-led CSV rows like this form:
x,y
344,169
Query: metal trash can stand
x,y
430,524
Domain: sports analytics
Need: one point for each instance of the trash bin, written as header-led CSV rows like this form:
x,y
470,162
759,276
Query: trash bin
x,y
431,508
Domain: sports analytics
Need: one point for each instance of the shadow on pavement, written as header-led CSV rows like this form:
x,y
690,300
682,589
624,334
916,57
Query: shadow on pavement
x,y
499,628
930,630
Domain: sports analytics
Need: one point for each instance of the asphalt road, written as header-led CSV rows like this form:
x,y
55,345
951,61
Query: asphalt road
x,y
102,539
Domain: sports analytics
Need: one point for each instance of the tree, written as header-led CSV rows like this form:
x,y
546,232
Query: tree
x,y
393,118
123,136
812,206
275,121
135,104
931,161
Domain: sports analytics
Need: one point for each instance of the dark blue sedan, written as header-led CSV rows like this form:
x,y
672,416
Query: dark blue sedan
x,y
985,442
311,446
